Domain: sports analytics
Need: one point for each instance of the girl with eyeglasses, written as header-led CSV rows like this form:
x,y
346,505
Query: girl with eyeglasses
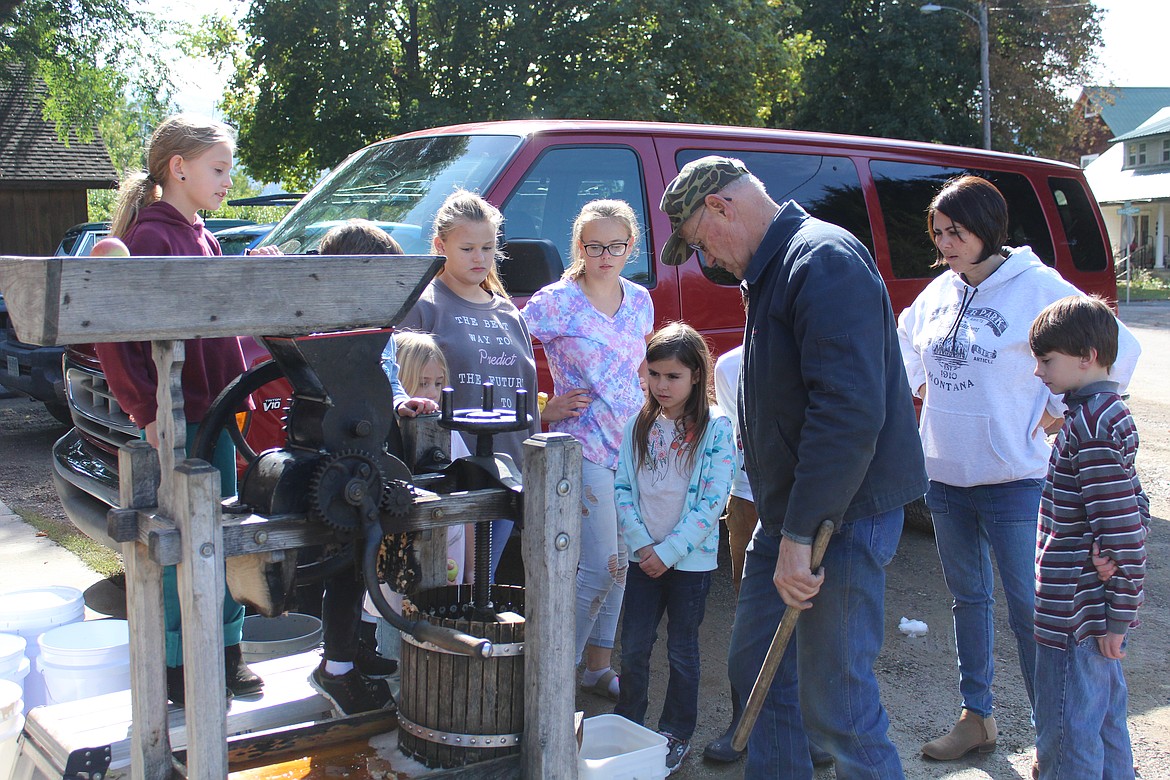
x,y
594,325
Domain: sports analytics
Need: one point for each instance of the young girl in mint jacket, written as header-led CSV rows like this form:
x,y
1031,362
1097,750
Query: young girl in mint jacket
x,y
675,469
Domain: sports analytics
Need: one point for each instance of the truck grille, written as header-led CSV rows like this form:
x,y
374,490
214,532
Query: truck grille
x,y
95,411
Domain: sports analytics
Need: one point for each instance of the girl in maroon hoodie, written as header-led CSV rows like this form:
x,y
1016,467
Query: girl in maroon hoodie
x,y
188,163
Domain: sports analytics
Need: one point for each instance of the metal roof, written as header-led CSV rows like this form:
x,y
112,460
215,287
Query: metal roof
x,y
31,155
1124,108
1158,124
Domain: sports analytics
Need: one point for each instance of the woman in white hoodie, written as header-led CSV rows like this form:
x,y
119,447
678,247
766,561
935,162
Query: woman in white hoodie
x,y
984,418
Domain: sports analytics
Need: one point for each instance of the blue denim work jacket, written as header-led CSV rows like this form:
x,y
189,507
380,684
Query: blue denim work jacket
x,y
828,420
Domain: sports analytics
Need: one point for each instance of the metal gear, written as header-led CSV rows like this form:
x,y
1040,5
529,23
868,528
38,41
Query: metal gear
x,y
345,490
397,497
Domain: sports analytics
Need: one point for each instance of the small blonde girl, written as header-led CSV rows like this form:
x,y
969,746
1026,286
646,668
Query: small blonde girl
x,y
475,323
423,372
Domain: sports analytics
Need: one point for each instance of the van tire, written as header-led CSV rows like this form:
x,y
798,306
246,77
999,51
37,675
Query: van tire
x,y
918,517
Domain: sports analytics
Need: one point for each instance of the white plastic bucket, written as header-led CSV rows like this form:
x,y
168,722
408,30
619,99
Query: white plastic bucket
x,y
18,674
11,724
11,652
613,748
90,643
10,701
66,683
279,636
10,729
29,613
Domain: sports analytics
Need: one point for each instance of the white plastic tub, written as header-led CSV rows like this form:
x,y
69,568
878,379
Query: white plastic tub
x,y
11,724
30,613
11,653
64,683
90,643
614,748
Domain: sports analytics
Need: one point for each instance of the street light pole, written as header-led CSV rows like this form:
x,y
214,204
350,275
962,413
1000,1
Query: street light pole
x,y
984,57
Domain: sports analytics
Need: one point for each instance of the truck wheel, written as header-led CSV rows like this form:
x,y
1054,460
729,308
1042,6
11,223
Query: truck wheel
x,y
918,517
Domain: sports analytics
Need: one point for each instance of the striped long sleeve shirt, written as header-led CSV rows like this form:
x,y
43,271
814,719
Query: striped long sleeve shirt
x,y
1092,494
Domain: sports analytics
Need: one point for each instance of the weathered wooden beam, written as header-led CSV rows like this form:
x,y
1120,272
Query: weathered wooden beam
x,y
70,300
551,545
201,594
250,751
138,475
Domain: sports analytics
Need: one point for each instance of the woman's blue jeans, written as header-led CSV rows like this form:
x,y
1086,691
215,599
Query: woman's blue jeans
x,y
970,523
836,643
682,597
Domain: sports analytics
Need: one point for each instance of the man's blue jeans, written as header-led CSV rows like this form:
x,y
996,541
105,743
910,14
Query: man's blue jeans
x,y
832,653
969,524
1081,733
682,597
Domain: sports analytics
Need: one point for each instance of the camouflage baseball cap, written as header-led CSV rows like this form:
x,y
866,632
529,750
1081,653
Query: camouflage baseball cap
x,y
684,196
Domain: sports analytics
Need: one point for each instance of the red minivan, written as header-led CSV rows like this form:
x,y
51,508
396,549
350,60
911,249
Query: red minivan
x,y
541,172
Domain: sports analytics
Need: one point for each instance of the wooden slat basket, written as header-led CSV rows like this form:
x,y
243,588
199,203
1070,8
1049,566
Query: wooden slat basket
x,y
456,710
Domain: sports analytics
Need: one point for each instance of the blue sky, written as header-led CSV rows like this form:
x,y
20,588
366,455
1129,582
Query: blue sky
x,y
1134,33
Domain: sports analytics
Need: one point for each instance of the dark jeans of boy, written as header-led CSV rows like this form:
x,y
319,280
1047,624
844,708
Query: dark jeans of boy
x,y
341,614
682,597
1081,702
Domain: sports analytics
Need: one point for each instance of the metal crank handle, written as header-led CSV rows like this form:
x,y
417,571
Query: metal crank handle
x,y
447,638
451,640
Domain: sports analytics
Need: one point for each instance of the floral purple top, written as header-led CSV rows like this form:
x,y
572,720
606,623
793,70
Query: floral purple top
x,y
585,348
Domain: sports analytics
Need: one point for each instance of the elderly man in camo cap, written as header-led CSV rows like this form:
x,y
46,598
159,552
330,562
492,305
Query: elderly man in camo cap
x,y
829,433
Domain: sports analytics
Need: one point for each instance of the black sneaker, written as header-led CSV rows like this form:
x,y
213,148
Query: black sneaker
x,y
241,680
677,751
369,663
350,693
176,692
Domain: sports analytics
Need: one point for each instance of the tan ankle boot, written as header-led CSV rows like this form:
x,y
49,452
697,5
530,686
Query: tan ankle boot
x,y
972,732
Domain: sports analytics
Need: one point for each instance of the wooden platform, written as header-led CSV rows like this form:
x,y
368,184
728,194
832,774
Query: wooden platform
x,y
52,732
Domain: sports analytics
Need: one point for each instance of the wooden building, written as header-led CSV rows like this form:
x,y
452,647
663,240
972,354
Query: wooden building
x,y
43,182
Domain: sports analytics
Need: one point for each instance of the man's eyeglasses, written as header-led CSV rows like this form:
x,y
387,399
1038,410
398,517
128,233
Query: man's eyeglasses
x,y
616,249
697,246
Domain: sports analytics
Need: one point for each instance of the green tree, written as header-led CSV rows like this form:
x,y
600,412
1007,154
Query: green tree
x,y
314,81
889,70
88,52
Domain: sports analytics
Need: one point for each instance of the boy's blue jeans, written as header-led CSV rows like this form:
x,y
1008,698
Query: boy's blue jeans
x,y
1081,733
833,651
970,523
682,597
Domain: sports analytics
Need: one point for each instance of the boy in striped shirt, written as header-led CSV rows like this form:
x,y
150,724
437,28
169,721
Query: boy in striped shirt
x,y
1092,505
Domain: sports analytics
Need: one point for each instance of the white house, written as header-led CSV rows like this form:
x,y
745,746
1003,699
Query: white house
x,y
1131,182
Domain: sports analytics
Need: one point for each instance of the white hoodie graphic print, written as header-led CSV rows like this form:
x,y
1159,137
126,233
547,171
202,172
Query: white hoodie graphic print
x,y
981,417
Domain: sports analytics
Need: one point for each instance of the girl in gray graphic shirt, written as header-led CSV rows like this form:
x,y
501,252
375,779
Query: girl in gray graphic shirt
x,y
478,328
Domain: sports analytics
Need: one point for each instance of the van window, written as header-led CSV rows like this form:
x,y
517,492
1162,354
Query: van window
x,y
565,178
1085,242
826,187
905,190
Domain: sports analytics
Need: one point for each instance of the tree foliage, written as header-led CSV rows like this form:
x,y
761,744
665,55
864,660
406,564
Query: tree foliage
x,y
889,70
88,52
314,81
